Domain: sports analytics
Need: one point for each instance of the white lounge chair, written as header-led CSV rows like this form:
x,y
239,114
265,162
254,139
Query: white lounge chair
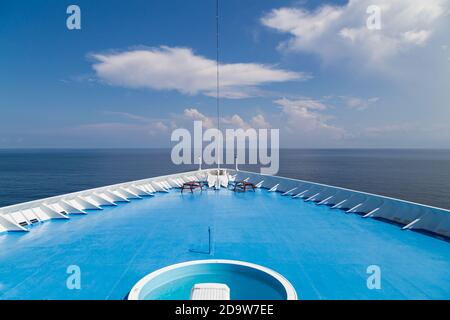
x,y
210,291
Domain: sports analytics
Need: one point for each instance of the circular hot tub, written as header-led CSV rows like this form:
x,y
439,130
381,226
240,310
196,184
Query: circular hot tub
x,y
246,281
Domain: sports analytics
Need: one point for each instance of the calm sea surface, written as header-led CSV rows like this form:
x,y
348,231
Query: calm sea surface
x,y
417,175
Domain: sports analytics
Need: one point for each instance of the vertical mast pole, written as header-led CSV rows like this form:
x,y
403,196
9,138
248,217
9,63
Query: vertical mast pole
x,y
218,85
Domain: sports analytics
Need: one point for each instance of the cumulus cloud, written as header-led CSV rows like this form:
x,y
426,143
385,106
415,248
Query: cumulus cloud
x,y
336,32
259,121
160,126
174,68
234,121
195,115
305,115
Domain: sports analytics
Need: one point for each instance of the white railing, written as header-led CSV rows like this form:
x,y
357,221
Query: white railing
x,y
408,214
17,217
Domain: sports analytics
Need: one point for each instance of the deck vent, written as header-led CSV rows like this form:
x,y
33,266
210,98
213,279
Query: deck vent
x,y
23,223
34,220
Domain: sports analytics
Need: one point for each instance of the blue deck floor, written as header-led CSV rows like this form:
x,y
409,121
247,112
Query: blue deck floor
x,y
323,252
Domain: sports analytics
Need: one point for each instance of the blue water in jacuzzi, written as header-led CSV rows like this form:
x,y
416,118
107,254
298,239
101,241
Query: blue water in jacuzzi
x,y
244,282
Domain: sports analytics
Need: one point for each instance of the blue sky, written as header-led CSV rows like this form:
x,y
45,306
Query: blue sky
x,y
139,69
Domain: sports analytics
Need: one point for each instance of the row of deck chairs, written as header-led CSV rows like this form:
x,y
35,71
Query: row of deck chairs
x,y
217,181
242,186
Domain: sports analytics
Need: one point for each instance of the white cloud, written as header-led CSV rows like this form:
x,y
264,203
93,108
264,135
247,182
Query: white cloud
x,y
109,128
417,37
389,129
130,116
179,69
259,121
233,121
136,124
305,116
358,103
152,125
159,126
195,115
304,103
336,32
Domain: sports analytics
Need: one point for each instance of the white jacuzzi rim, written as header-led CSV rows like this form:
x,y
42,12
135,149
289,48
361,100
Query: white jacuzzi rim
x,y
291,294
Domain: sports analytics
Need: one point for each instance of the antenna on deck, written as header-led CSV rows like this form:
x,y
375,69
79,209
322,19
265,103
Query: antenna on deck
x,y
209,245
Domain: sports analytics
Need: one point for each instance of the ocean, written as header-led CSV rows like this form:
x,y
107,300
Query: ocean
x,y
421,176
